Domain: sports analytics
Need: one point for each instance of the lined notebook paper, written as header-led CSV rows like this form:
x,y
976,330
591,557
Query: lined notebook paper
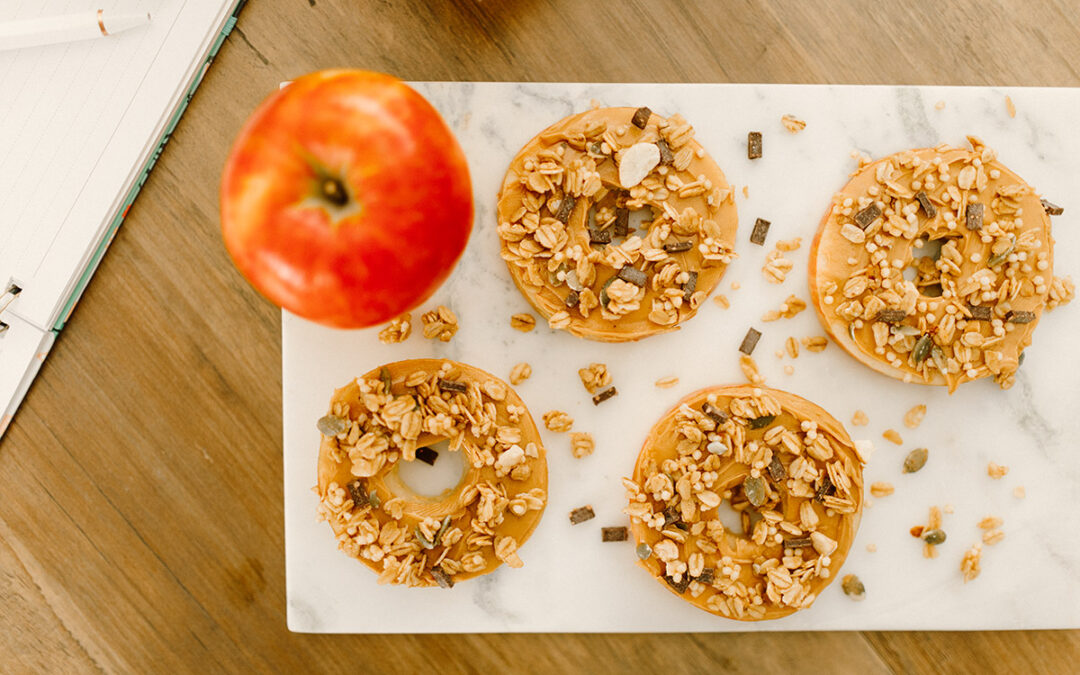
x,y
80,125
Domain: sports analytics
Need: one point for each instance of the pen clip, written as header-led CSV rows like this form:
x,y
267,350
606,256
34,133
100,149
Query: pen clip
x,y
8,297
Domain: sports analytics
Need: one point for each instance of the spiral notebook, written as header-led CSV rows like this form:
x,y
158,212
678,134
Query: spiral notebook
x,y
81,126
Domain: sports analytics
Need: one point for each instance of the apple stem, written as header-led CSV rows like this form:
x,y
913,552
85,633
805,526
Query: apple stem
x,y
333,191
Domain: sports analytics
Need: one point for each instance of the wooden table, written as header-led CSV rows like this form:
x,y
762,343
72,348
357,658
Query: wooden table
x,y
140,484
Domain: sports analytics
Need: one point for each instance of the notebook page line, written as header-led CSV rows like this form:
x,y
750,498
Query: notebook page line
x,y
112,135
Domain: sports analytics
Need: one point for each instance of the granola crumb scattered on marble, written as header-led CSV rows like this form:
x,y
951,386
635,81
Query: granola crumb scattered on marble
x,y
776,267
667,382
882,489
860,419
792,123
397,330
1010,107
853,587
991,537
996,471
871,548
791,346
523,322
557,420
789,244
750,369
721,301
893,436
940,105
594,377
440,323
581,444
991,523
970,564
746,191
789,369
1019,492
787,310
914,417
520,372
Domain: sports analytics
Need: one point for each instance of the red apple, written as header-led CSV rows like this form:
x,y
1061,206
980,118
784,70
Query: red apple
x,y
346,199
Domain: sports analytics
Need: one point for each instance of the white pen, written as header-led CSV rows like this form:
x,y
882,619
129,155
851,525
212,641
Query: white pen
x,y
48,30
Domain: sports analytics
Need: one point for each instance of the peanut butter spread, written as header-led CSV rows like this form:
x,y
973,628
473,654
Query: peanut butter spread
x,y
390,416
787,469
934,266
564,223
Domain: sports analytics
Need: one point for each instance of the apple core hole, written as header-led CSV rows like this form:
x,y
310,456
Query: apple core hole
x,y
432,480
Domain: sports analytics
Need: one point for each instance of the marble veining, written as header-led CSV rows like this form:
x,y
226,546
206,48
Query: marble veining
x,y
571,580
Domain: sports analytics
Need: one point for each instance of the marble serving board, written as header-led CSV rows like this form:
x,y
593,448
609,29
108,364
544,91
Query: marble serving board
x,y
572,581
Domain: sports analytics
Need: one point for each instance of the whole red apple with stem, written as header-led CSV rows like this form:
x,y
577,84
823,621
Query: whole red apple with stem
x,y
346,198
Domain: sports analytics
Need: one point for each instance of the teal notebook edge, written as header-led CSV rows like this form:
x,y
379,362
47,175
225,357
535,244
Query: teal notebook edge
x,y
133,193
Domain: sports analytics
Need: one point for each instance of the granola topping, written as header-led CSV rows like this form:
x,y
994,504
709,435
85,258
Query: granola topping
x,y
393,415
564,223
934,266
776,455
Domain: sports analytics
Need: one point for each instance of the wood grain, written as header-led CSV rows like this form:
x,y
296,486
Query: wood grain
x,y
141,509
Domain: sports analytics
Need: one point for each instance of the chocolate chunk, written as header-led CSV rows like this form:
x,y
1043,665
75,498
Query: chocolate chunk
x,y
707,576
973,216
641,117
599,236
689,287
1019,316
750,341
1051,208
679,586
927,206
358,491
632,275
761,422
867,216
566,207
891,315
801,542
622,222
980,312
573,298
666,156
753,145
581,515
760,231
613,534
672,515
716,414
427,455
604,395
678,247
776,469
824,489
442,578
452,385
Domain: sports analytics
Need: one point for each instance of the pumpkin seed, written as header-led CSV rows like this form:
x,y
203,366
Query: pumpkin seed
x,y
762,422
853,587
754,489
939,359
604,298
851,331
922,349
424,541
442,529
553,275
384,375
934,537
331,425
1001,257
374,499
644,551
915,460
